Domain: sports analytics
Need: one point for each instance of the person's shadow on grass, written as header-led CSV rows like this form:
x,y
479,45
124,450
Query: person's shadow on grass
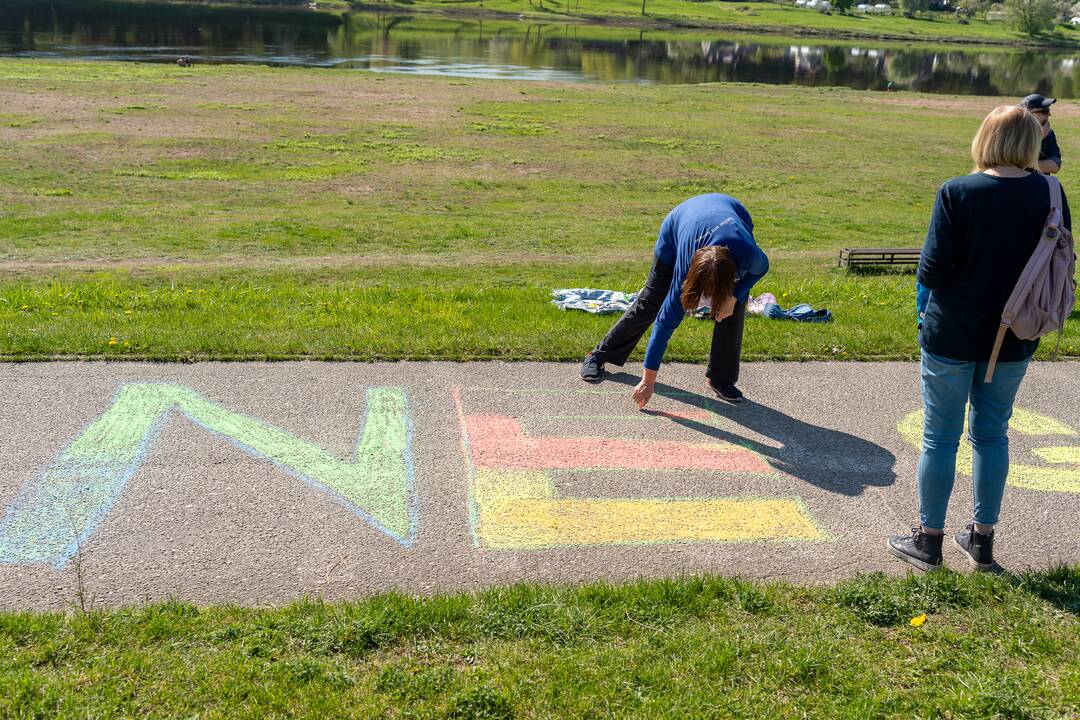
x,y
833,460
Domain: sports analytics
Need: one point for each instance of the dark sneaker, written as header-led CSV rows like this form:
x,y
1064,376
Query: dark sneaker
x,y
727,393
591,370
921,550
978,548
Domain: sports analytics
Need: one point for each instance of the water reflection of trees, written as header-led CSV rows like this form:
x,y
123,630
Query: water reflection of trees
x,y
68,26
596,53
686,61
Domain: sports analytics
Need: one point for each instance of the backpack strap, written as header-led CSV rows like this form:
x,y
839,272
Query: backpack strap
x,y
1054,185
994,355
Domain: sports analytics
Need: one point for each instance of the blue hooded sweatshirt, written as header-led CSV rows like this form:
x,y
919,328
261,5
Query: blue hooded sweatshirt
x,y
702,221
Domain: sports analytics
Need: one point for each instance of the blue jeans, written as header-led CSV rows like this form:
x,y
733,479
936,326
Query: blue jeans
x,y
947,387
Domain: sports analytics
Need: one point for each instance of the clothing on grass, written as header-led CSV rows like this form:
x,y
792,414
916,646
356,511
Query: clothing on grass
x,y
982,232
760,305
597,302
766,306
702,221
800,313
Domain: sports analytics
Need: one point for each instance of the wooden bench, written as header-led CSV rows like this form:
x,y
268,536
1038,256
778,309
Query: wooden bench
x,y
854,257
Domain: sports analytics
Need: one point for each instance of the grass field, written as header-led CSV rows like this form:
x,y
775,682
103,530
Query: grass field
x,y
755,16
160,212
224,212
690,648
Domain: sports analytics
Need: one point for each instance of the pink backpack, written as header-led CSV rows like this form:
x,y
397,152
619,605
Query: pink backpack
x,y
1045,294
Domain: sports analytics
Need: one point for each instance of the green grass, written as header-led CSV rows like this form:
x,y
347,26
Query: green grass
x,y
489,312
259,212
464,313
754,16
688,648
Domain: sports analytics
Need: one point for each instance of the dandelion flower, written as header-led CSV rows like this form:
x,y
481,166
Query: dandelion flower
x,y
918,620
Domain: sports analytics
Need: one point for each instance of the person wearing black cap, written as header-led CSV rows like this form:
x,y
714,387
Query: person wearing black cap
x,y
1050,154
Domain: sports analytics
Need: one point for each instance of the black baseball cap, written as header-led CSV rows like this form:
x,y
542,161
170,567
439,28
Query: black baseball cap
x,y
1037,102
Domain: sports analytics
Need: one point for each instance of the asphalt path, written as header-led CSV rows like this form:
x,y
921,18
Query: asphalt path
x,y
260,483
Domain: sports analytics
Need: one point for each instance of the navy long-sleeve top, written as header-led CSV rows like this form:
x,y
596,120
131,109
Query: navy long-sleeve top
x,y
983,230
702,221
1049,149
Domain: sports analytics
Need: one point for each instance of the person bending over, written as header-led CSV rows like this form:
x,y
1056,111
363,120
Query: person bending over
x,y
705,256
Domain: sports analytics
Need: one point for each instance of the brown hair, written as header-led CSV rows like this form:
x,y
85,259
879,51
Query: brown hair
x,y
711,273
1010,135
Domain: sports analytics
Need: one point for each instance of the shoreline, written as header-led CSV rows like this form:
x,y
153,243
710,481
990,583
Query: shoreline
x,y
688,24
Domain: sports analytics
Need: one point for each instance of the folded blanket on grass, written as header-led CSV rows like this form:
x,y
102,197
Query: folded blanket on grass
x,y
598,302
603,302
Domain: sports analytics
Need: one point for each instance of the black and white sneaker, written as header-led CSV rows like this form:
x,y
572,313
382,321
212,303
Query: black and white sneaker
x,y
727,393
591,370
978,548
920,549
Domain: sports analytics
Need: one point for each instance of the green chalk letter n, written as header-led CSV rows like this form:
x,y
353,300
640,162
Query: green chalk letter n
x,y
57,511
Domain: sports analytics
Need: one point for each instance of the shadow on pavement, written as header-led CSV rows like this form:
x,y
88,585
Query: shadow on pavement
x,y
833,460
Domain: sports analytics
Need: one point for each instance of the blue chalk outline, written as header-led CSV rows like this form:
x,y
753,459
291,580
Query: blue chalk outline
x,y
105,507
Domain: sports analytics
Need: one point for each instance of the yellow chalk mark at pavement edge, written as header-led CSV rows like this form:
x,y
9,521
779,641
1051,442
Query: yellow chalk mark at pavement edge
x,y
1031,477
518,509
1060,455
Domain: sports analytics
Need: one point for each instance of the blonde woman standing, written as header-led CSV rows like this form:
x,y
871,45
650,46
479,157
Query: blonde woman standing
x,y
983,229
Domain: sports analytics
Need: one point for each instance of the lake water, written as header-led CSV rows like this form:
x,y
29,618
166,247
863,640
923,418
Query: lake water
x,y
148,32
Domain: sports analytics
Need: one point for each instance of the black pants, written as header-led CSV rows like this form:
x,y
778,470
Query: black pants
x,y
621,340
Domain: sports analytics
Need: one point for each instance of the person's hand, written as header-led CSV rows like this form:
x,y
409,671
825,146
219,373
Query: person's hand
x,y
726,309
642,394
644,390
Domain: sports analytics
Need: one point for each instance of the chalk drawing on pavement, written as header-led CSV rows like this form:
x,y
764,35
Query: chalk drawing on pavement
x,y
1061,473
57,511
514,503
